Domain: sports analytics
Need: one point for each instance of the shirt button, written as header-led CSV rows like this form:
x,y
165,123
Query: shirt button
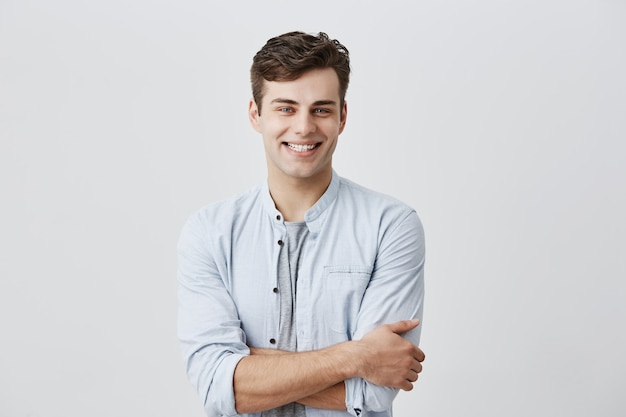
x,y
275,290
278,217
280,242
273,341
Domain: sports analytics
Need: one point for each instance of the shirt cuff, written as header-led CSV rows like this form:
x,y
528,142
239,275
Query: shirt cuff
x,y
363,397
221,399
354,396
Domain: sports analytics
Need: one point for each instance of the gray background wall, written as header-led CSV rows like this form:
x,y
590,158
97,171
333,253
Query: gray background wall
x,y
502,123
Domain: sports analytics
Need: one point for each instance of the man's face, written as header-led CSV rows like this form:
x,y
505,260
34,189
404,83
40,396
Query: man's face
x,y
300,122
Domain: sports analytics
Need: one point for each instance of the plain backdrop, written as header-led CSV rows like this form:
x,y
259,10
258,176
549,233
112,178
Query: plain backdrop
x,y
502,123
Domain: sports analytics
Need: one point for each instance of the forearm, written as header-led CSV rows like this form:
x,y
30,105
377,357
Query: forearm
x,y
266,380
382,356
332,398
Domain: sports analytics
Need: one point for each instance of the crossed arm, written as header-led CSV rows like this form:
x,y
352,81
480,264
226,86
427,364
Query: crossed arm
x,y
316,378
363,373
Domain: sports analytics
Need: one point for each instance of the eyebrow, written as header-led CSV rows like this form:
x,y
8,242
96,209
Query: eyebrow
x,y
293,102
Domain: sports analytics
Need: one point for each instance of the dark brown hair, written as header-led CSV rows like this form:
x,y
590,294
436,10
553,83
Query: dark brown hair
x,y
288,56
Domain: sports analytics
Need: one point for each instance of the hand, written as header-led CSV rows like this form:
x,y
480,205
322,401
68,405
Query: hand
x,y
388,359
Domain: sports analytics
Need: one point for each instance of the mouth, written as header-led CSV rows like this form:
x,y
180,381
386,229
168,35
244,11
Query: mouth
x,y
301,148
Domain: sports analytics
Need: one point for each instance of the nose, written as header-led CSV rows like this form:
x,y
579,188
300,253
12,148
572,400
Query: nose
x,y
304,123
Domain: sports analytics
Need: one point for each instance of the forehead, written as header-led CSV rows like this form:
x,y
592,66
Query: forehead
x,y
312,86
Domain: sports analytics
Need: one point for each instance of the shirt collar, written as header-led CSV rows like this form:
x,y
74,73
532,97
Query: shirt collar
x,y
314,217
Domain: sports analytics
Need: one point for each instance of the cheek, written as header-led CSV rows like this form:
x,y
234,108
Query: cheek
x,y
274,126
333,130
333,125
274,132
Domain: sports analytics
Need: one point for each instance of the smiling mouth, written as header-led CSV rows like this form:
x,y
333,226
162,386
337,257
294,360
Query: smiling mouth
x,y
301,148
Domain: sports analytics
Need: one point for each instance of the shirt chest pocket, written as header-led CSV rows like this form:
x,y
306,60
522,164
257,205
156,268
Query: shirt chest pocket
x,y
343,290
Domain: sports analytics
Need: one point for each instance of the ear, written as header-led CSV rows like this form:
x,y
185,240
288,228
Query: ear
x,y
344,117
253,115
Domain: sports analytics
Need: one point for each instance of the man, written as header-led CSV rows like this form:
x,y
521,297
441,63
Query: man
x,y
301,297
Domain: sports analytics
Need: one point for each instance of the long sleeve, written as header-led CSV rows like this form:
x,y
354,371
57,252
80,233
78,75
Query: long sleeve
x,y
395,292
209,330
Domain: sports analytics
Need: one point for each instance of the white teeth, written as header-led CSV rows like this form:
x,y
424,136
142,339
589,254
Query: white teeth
x,y
300,148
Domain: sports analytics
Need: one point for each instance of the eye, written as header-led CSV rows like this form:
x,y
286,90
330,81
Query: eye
x,y
285,109
321,111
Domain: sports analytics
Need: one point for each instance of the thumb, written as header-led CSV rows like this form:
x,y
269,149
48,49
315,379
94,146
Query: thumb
x,y
404,326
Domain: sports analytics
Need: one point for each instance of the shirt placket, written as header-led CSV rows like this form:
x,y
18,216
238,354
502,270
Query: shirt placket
x,y
272,329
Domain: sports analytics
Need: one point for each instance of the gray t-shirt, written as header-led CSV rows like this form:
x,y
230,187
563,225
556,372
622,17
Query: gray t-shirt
x,y
288,261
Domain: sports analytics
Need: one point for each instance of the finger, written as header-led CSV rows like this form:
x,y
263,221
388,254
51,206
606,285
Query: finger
x,y
419,355
407,385
417,367
404,326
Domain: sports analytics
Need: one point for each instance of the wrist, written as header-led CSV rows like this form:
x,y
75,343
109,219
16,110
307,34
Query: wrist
x,y
351,361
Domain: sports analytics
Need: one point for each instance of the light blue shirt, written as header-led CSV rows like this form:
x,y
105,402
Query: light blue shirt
x,y
362,266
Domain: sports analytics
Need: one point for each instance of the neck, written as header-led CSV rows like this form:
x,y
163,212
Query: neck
x,y
294,196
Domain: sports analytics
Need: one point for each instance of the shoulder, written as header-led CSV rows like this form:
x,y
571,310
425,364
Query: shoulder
x,y
375,208
226,212
391,220
373,201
